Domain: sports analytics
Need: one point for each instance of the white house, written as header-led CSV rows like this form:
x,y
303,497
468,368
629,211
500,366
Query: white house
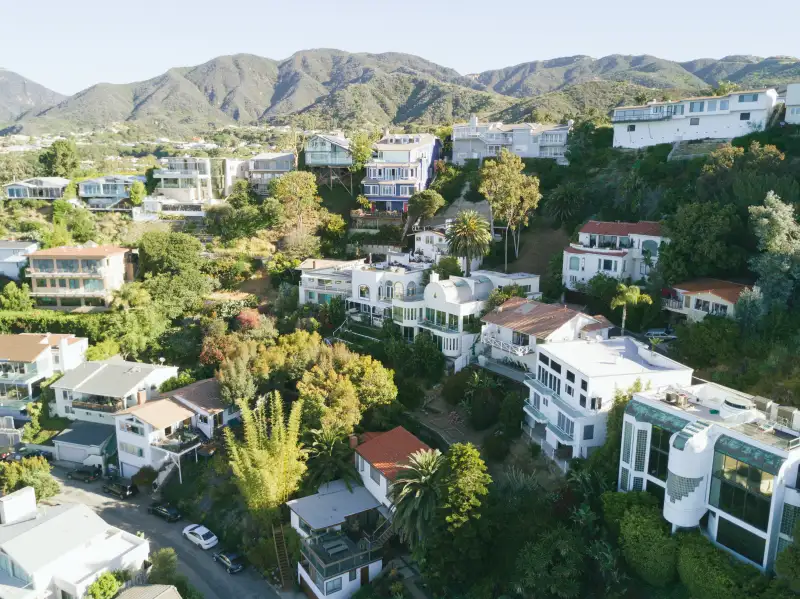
x,y
185,179
719,459
710,117
573,389
697,298
59,551
14,256
30,358
205,400
38,188
321,280
431,245
267,166
620,250
475,140
343,528
793,104
107,193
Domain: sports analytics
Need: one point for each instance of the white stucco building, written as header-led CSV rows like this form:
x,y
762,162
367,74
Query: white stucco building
x,y
185,179
717,459
265,167
793,104
697,298
709,117
14,256
431,245
625,251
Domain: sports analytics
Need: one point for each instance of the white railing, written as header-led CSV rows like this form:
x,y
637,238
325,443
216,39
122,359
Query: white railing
x,y
512,348
327,288
672,304
58,292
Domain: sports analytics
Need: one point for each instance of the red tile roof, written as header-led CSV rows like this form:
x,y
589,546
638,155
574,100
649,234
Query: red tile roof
x,y
726,290
644,227
602,323
597,252
531,317
390,450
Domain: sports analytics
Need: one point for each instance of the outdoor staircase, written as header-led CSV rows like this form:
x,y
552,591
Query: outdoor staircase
x,y
284,565
382,535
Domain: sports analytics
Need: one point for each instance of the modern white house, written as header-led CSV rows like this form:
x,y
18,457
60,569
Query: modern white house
x,y
185,179
328,150
58,551
267,166
84,275
28,359
625,251
108,193
431,246
475,140
38,188
695,299
343,528
793,104
573,389
14,257
708,117
717,459
325,279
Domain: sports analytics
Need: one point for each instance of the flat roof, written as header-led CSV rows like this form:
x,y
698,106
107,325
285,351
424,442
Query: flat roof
x,y
333,504
90,434
16,245
619,228
98,251
678,101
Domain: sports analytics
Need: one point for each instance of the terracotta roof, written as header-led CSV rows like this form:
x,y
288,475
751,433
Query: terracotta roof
x,y
531,317
645,227
389,451
99,251
602,323
726,290
22,348
597,252
204,394
159,413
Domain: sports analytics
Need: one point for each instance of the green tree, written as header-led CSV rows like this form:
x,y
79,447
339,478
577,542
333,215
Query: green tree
x,y
424,204
628,295
130,295
615,505
60,159
787,564
138,193
415,496
552,565
237,384
724,88
565,203
361,149
28,472
58,236
330,458
469,237
103,350
242,194
448,266
105,586
165,571
17,299
647,545
297,193
465,482
512,194
169,253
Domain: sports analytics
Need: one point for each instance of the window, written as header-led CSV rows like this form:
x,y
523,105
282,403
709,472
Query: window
x,y
788,519
584,385
74,284
607,265
520,338
352,575
387,190
719,309
544,359
588,432
374,474
794,110
712,106
565,424
574,263
696,106
131,449
659,453
371,190
333,586
570,376
741,490
694,121
741,541
748,97
536,399
724,104
363,292
702,305
631,128
745,116
626,443
641,450
555,366
583,401
130,427
569,390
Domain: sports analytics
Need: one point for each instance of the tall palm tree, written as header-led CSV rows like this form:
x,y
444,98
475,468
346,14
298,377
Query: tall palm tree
x,y
415,496
330,458
628,295
469,237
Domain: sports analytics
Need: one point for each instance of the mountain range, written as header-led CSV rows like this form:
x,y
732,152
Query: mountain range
x,y
336,88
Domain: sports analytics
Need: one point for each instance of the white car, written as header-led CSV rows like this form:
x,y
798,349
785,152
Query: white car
x,y
200,536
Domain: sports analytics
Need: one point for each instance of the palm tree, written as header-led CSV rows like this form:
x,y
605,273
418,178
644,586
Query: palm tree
x,y
469,237
415,496
330,458
628,295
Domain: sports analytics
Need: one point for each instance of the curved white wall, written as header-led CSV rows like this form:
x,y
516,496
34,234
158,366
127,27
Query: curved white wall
x,y
687,480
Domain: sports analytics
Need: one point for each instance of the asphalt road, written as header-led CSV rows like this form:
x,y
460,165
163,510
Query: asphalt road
x,y
131,515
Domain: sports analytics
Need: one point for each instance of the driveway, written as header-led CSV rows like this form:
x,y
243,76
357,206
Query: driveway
x,y
131,515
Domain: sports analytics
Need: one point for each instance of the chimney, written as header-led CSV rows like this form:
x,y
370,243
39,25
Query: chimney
x,y
17,506
141,397
434,277
353,441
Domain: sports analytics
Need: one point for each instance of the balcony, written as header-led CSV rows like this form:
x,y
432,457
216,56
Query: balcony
x,y
327,159
179,441
99,272
633,118
334,553
101,404
167,173
444,328
413,297
62,292
512,348
327,288
672,304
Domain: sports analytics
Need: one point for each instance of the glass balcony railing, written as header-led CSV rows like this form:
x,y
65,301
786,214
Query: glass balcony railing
x,y
179,441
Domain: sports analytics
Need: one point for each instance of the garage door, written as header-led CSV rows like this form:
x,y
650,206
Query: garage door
x,y
71,453
127,470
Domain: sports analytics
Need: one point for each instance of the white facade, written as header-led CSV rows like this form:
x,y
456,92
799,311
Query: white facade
x,y
723,117
14,256
334,279
793,104
185,179
475,140
625,251
574,384
432,246
719,459
373,480
697,299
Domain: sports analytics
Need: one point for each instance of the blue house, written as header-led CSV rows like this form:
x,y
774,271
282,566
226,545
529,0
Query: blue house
x,y
402,165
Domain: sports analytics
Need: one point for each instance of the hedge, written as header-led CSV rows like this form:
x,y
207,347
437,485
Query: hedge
x,y
709,572
93,326
647,545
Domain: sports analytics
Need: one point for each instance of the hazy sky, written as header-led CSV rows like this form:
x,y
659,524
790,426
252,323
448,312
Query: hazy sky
x,y
68,46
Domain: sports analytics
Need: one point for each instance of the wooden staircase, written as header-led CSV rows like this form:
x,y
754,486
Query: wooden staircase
x,y
284,565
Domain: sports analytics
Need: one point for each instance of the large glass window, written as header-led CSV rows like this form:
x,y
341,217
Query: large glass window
x,y
333,586
659,453
43,265
565,424
452,321
741,490
519,338
93,284
741,541
67,265
574,263
374,474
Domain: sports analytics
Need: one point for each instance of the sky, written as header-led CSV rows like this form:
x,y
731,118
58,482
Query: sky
x,y
68,46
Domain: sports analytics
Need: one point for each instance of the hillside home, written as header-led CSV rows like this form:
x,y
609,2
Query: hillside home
x,y
699,297
30,358
512,331
431,245
14,257
342,527
85,443
573,390
625,251
475,140
793,104
709,117
185,179
268,166
84,275
233,169
58,551
331,150
402,165
38,188
108,193
326,279
205,400
719,459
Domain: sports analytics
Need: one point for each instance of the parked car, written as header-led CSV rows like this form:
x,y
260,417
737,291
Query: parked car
x,y
86,474
38,453
200,536
232,562
121,488
665,334
164,510
16,456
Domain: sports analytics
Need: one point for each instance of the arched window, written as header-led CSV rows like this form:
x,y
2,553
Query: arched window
x,y
398,289
412,288
389,288
574,263
363,292
650,246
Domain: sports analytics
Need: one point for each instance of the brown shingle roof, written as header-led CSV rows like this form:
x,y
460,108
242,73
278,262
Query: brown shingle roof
x,y
389,451
726,290
204,394
100,251
602,323
644,227
160,413
530,317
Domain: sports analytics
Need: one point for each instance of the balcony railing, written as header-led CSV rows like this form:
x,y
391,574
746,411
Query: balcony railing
x,y
179,172
351,558
512,348
389,214
672,304
109,406
30,272
632,118
327,159
445,328
181,440
404,297
329,288
59,292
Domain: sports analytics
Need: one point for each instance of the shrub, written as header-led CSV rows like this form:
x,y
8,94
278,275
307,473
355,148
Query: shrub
x,y
496,447
535,450
615,505
484,409
455,386
647,545
176,382
248,319
410,393
511,414
709,572
105,587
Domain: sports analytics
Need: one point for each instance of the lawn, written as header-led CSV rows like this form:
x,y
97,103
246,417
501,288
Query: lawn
x,y
51,426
